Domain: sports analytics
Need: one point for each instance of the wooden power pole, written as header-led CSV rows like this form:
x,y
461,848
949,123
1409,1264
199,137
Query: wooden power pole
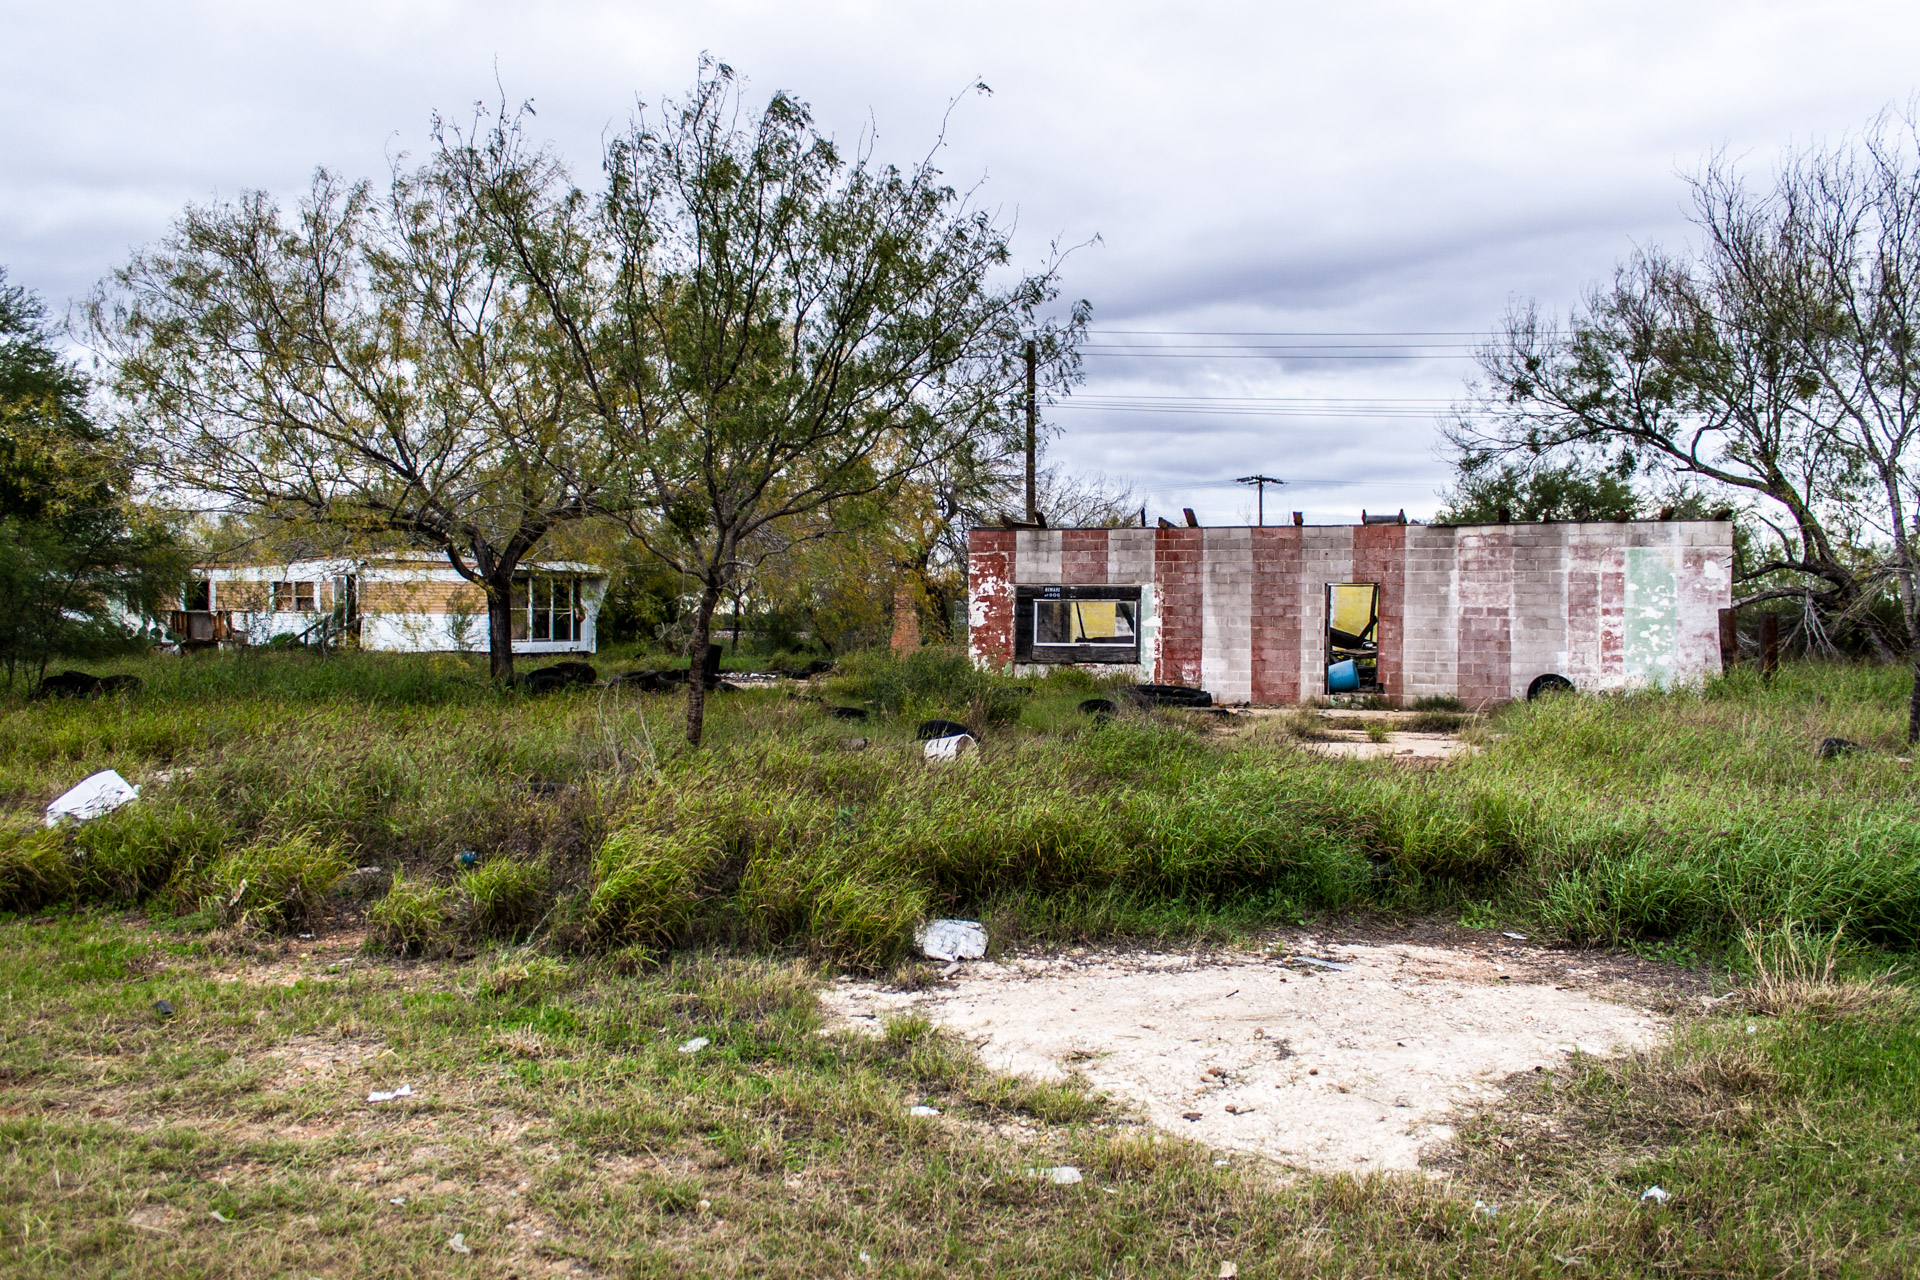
x,y
1261,482
1033,429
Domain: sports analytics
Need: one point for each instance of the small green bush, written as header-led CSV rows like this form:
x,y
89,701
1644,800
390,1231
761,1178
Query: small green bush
x,y
414,918
272,883
35,869
644,882
139,848
506,897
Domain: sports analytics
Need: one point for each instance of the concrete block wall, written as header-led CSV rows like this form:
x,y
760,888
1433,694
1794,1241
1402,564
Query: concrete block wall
x,y
1472,611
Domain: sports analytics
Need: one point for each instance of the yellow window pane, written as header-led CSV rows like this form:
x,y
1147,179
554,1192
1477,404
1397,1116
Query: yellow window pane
x,y
1353,607
1094,620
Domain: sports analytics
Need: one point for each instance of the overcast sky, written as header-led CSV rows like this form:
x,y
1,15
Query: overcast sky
x,y
1337,173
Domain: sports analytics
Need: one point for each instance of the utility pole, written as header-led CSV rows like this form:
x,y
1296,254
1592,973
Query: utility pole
x,y
1033,427
1261,482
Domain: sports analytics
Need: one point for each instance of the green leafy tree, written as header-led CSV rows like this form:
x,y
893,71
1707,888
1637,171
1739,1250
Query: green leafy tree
x,y
83,568
367,366
771,328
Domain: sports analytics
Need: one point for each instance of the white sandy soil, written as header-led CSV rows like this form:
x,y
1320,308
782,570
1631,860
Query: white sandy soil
x,y
1349,1069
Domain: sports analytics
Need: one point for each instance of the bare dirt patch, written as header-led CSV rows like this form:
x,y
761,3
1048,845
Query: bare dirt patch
x,y
1347,1057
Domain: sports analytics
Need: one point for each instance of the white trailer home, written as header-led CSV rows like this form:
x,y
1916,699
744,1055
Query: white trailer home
x,y
391,603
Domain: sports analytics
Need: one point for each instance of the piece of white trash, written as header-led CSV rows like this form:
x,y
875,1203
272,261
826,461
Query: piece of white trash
x,y
1063,1176
947,750
1486,1210
951,939
695,1045
1228,1270
218,1216
1659,1195
1517,937
383,1095
459,1243
924,1111
102,793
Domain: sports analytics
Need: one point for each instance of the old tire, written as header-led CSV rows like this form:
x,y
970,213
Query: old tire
x,y
1548,683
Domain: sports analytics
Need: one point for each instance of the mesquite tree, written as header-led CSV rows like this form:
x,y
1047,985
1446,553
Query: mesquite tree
x,y
368,364
772,328
1780,361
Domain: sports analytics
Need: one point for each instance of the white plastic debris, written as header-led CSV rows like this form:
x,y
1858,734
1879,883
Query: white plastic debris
x,y
102,793
398,1201
695,1045
1659,1195
1485,1210
1229,1270
947,750
924,1111
458,1243
1517,937
384,1095
866,1257
1316,963
1061,1176
951,939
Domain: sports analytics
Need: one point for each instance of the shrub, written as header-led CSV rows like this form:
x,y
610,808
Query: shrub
x,y
272,883
506,897
644,882
139,848
34,867
414,918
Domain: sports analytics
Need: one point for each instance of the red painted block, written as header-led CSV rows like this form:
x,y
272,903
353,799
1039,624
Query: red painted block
x,y
990,595
1276,615
1179,604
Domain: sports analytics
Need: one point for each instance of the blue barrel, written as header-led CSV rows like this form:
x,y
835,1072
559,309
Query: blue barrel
x,y
1343,677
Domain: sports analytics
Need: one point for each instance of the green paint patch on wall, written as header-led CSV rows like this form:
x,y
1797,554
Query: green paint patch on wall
x,y
1652,616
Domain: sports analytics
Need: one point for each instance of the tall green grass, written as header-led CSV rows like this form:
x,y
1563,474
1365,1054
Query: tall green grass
x,y
1686,815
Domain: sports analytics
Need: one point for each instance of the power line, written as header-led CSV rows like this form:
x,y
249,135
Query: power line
x,y
1295,333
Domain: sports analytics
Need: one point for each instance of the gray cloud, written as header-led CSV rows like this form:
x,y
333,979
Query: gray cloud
x,y
1380,166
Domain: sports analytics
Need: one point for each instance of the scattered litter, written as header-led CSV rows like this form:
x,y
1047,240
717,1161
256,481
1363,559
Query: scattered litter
x,y
704,1205
951,939
1485,1210
1220,1164
1318,964
163,1008
368,871
1659,1195
458,1243
1565,1261
469,858
1189,1115
1239,1111
102,793
1751,1029
218,1216
949,749
950,968
378,1095
1228,1270
1063,1176
1517,937
695,1045
866,1258
398,1202
924,1111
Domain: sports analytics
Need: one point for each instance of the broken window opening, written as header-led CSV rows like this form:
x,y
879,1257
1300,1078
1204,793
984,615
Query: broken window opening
x,y
1353,637
1102,622
1066,624
296,597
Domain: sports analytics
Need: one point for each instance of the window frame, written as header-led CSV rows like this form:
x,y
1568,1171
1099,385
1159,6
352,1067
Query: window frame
x,y
1025,650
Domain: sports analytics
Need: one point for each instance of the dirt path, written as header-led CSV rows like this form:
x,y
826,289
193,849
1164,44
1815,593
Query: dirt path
x,y
1352,1067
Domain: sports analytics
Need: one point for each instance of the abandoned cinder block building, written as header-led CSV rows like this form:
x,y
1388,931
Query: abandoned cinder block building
x,y
1283,614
